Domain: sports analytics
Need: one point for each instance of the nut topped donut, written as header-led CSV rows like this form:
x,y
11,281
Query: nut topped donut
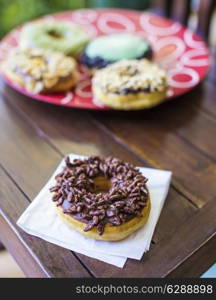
x,y
102,198
130,84
41,71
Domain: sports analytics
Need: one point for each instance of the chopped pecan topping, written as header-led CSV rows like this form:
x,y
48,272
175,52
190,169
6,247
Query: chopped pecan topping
x,y
75,191
39,69
131,76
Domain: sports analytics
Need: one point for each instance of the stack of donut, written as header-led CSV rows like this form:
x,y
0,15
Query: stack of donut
x,y
45,61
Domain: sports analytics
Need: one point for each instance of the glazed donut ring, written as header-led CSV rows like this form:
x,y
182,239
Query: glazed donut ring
x,y
105,199
41,71
63,37
130,84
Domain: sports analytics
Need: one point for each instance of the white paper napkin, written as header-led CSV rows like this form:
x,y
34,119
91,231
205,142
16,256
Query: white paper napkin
x,y
40,219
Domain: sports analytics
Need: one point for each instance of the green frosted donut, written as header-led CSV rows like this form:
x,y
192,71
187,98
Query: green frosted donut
x,y
55,35
111,48
117,46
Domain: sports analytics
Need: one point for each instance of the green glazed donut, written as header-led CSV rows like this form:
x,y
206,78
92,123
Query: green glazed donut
x,y
117,46
108,49
55,35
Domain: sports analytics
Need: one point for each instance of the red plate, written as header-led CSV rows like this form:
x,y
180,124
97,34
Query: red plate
x,y
178,50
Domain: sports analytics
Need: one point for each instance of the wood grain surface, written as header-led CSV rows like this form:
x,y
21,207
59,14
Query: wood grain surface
x,y
36,136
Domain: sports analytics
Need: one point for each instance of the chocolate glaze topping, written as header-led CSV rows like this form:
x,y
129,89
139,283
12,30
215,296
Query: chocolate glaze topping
x,y
75,191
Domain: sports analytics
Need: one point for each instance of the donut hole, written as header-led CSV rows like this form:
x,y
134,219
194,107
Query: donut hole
x,y
54,34
102,184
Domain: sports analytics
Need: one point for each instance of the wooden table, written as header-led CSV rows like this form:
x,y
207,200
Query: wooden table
x,y
179,136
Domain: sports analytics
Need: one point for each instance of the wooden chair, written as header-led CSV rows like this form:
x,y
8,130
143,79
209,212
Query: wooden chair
x,y
180,11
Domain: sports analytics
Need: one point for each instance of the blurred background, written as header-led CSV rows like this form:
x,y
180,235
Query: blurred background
x,y
16,12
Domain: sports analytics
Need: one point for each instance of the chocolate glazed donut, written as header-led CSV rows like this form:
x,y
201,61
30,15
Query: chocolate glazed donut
x,y
102,198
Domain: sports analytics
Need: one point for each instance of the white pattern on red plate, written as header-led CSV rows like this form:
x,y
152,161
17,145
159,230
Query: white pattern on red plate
x,y
183,54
